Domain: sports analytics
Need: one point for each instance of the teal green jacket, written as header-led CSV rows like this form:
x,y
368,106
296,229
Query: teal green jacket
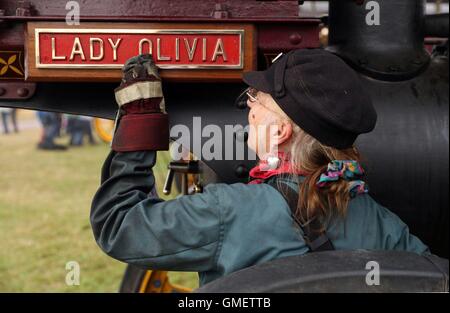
x,y
223,229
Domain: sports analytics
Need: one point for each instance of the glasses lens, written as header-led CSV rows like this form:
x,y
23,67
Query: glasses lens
x,y
246,95
241,100
252,94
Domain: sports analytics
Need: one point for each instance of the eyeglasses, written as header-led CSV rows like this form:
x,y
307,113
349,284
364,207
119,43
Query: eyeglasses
x,y
252,94
249,94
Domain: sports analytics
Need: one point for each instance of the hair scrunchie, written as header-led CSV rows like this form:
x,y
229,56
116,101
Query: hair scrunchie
x,y
348,170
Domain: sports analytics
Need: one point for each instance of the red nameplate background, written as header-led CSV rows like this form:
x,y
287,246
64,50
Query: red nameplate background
x,y
176,49
93,52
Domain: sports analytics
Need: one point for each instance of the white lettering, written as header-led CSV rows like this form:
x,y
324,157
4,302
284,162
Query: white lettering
x,y
77,50
101,53
115,46
190,50
212,148
373,276
219,51
158,52
197,303
54,56
141,46
73,276
73,16
373,17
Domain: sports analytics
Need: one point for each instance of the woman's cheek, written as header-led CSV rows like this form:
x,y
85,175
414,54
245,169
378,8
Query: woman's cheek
x,y
251,116
252,138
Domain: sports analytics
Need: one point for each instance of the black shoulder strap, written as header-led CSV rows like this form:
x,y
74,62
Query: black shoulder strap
x,y
315,240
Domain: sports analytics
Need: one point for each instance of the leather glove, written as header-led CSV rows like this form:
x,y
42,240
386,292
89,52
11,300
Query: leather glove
x,y
142,122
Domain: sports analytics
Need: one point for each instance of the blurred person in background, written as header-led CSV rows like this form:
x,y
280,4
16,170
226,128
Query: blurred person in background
x,y
14,120
77,128
87,128
51,123
59,126
5,112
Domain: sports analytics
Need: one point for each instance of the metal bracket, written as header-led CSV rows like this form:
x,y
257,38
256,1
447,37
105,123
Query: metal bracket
x,y
184,168
24,8
220,11
17,90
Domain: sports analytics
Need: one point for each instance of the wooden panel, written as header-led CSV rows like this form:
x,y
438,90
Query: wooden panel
x,y
106,74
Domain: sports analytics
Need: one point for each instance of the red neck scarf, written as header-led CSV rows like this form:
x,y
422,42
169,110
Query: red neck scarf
x,y
262,171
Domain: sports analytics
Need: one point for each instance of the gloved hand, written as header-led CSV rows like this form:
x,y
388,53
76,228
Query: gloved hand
x,y
142,122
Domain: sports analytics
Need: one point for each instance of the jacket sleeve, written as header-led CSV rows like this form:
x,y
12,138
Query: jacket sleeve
x,y
390,232
130,223
398,236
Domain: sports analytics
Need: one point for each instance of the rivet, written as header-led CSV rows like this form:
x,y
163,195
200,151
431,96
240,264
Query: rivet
x,y
219,7
241,171
220,11
23,92
295,39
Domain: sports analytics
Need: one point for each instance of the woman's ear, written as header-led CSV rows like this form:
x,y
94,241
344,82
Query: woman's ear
x,y
283,132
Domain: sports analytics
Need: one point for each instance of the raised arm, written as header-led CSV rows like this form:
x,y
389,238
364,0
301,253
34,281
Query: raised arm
x,y
129,221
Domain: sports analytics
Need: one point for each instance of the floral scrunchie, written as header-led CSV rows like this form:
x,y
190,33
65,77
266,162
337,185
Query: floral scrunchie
x,y
348,170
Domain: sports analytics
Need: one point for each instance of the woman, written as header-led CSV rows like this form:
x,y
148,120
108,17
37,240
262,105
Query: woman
x,y
306,112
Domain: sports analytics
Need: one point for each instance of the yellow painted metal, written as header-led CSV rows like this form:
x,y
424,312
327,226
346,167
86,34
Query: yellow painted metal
x,y
158,282
104,129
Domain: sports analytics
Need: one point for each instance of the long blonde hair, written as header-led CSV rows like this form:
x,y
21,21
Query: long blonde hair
x,y
309,156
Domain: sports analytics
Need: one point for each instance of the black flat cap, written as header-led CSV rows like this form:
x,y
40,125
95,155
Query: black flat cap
x,y
320,93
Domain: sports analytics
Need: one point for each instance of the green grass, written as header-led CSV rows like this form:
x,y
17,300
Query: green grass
x,y
44,218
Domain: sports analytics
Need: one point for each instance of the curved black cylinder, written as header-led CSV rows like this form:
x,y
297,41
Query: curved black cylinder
x,y
407,155
383,39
